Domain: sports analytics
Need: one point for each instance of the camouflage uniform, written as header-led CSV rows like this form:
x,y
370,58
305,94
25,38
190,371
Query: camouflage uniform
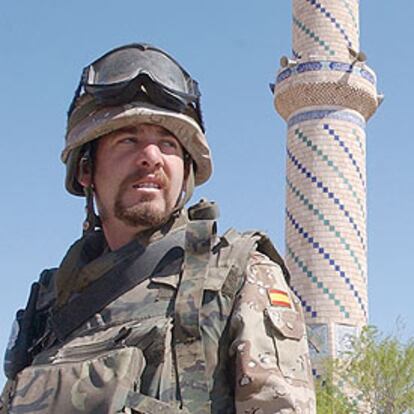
x,y
269,346
138,354
212,327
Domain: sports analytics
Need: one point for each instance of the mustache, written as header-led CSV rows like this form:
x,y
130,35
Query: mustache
x,y
138,175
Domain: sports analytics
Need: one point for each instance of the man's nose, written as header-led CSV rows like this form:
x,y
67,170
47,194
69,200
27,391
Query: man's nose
x,y
149,156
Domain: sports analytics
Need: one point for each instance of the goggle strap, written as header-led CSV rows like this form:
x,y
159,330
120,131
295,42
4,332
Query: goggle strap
x,y
78,91
199,115
189,97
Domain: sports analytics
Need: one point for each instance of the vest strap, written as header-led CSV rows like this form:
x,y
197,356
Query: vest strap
x,y
147,405
114,283
189,349
240,246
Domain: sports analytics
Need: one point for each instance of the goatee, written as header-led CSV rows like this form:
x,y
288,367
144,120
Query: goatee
x,y
147,212
144,214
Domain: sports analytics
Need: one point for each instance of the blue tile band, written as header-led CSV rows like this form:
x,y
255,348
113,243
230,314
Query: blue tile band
x,y
324,66
319,114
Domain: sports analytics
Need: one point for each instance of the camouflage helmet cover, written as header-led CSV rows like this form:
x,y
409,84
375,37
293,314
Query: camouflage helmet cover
x,y
99,121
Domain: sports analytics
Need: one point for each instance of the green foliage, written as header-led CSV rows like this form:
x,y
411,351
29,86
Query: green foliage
x,y
376,376
330,397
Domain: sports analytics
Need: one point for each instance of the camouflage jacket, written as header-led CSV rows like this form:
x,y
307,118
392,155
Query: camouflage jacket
x,y
217,331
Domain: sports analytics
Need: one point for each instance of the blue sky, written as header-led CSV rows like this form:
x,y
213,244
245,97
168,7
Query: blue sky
x,y
233,49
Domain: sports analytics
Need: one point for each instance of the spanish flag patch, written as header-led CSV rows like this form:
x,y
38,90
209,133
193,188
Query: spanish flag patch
x,y
279,298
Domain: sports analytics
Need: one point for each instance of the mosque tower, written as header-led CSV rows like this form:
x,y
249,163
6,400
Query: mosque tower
x,y
326,93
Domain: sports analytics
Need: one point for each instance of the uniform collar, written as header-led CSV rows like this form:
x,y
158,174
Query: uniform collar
x,y
90,257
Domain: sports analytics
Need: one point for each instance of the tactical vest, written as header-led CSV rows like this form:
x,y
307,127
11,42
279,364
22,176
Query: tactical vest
x,y
158,346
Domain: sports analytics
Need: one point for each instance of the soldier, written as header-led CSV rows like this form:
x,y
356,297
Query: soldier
x,y
151,311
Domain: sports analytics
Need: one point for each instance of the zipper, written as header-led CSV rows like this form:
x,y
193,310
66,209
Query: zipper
x,y
82,352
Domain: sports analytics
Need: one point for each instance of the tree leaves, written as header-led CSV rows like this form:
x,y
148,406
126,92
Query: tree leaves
x,y
375,376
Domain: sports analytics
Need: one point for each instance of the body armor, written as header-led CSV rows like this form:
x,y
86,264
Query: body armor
x,y
160,346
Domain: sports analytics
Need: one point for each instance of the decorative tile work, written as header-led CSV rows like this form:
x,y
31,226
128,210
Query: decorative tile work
x,y
358,140
366,75
326,66
302,137
314,36
319,284
328,14
335,21
327,257
325,177
305,306
318,339
341,67
342,115
346,149
284,75
350,12
343,337
325,190
309,143
327,224
308,66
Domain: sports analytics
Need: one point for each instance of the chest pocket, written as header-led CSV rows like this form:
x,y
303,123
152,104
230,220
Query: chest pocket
x,y
100,373
97,385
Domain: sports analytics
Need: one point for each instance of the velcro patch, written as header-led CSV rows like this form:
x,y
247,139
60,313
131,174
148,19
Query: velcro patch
x,y
279,298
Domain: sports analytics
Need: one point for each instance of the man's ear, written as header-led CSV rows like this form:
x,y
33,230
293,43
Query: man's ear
x,y
84,176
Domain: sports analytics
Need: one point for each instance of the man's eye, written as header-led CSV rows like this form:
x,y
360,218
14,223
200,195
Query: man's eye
x,y
128,140
169,143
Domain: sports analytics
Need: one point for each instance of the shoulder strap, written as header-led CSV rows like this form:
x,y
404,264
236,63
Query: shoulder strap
x,y
29,325
238,247
265,246
121,278
235,249
18,354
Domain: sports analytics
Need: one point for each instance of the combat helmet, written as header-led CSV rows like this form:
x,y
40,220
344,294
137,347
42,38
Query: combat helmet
x,y
136,83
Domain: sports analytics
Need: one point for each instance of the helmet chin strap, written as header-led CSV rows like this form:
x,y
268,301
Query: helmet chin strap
x,y
92,220
188,188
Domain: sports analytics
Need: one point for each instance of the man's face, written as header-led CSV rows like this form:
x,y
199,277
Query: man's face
x,y
138,175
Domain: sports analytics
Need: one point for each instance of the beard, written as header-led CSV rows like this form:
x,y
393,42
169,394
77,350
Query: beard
x,y
143,214
147,212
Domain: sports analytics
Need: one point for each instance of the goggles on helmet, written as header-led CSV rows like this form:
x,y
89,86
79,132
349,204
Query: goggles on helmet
x,y
140,72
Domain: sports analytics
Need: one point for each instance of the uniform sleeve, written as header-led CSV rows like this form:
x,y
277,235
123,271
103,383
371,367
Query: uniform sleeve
x,y
269,346
5,396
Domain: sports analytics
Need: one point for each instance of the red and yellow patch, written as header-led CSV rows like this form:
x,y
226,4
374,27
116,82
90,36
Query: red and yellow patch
x,y
279,298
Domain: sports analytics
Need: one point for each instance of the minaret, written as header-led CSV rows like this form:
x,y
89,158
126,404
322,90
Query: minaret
x,y
326,93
